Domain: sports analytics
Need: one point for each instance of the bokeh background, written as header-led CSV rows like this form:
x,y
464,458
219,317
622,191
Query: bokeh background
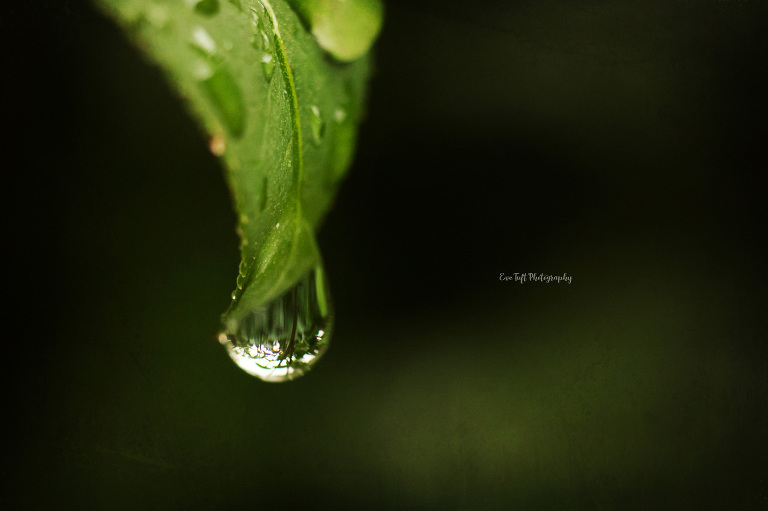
x,y
620,143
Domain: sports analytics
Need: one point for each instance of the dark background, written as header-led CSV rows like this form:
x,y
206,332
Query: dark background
x,y
619,143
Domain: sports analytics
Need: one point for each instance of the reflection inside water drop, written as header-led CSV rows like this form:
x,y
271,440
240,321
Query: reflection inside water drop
x,y
281,340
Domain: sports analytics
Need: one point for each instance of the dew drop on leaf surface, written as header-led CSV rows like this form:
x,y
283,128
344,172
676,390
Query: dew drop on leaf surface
x,y
207,7
268,65
317,124
339,115
218,83
262,42
281,340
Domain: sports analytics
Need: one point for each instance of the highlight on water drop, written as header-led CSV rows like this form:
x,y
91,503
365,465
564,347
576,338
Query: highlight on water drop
x,y
281,340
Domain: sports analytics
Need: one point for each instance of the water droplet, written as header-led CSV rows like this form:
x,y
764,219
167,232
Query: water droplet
x,y
343,28
203,41
207,7
266,42
268,65
281,340
202,70
262,41
317,124
339,115
157,15
225,95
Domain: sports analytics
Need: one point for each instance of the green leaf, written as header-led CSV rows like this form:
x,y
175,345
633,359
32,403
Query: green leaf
x,y
345,28
280,113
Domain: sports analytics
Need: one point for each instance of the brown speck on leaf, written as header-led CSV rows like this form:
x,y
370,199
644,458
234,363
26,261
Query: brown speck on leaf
x,y
217,144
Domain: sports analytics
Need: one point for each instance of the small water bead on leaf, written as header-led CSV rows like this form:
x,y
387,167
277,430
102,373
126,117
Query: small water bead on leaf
x,y
344,28
268,65
203,41
207,7
218,83
224,93
339,115
317,124
281,340
157,15
262,41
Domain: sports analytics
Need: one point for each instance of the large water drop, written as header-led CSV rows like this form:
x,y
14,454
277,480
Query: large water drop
x,y
281,340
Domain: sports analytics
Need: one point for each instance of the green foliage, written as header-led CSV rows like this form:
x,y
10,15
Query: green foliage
x,y
280,111
346,29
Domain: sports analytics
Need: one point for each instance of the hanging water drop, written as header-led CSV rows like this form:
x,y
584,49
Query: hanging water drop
x,y
281,340
317,124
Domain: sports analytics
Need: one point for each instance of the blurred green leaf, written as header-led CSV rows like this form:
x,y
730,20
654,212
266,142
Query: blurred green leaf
x,y
345,28
279,112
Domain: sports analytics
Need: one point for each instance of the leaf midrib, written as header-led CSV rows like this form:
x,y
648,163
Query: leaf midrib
x,y
298,156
